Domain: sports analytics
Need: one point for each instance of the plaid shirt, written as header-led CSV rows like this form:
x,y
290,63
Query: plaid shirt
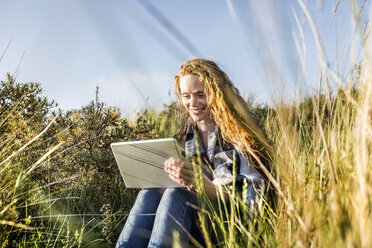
x,y
220,157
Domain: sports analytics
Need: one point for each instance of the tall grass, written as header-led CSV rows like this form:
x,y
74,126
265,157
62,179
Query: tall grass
x,y
17,191
322,166
26,206
31,214
323,163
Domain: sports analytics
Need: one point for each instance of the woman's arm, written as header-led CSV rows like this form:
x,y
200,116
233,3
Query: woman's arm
x,y
211,190
182,173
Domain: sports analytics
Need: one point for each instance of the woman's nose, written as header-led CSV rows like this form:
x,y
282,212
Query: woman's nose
x,y
193,101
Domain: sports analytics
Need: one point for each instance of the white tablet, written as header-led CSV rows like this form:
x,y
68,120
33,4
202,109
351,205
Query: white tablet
x,y
141,163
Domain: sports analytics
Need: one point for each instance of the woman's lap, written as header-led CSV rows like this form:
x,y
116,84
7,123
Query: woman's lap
x,y
159,215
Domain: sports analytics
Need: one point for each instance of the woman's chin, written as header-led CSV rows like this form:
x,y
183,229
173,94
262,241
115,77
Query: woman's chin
x,y
198,118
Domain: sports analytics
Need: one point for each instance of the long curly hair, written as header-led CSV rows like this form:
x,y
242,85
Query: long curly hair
x,y
230,112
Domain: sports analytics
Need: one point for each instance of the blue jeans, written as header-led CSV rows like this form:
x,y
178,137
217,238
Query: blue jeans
x,y
155,216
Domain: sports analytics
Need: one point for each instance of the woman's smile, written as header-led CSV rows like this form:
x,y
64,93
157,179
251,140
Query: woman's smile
x,y
196,111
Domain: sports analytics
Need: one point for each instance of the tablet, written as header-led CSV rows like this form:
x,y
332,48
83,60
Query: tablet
x,y
141,163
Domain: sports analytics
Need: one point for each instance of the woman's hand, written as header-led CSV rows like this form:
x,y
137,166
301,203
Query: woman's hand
x,y
180,171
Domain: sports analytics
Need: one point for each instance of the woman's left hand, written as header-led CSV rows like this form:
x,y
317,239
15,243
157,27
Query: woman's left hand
x,y
180,171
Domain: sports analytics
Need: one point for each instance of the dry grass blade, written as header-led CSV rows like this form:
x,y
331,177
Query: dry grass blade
x,y
43,158
28,143
12,223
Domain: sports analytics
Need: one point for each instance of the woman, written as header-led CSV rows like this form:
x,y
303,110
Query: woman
x,y
220,127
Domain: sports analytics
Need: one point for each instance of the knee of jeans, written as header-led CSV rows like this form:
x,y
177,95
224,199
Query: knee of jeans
x,y
142,194
147,200
146,194
176,196
140,199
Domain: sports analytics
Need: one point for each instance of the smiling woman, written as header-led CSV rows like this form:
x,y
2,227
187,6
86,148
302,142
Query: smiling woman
x,y
225,135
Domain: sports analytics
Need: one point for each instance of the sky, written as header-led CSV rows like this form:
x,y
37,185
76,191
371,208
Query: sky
x,y
132,49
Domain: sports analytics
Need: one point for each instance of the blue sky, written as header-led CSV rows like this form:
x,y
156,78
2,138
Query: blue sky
x,y
71,46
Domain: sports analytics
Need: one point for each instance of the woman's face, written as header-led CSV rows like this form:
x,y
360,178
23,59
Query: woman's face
x,y
194,98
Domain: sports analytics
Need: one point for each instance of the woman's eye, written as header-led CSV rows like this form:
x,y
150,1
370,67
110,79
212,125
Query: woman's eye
x,y
185,96
201,95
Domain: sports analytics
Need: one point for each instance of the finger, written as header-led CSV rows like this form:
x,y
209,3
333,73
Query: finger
x,y
178,167
182,173
168,160
182,179
167,165
170,164
175,168
178,180
176,172
174,161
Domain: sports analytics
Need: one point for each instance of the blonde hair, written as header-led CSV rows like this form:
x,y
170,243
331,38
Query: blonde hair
x,y
230,112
